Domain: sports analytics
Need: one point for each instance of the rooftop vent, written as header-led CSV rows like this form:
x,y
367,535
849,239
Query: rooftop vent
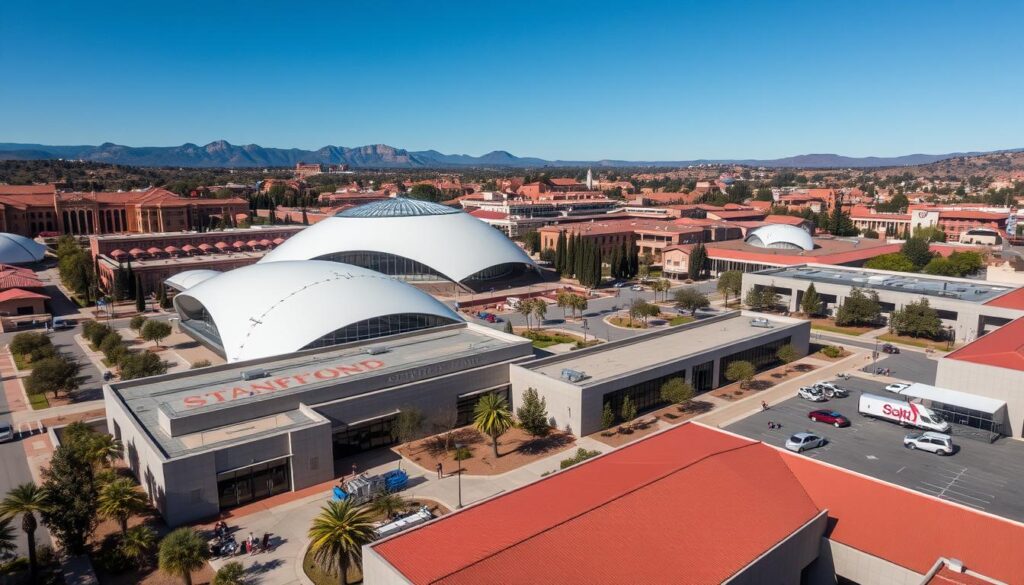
x,y
254,374
376,349
573,375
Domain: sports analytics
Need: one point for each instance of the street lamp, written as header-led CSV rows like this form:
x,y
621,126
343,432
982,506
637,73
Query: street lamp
x,y
874,358
458,471
585,327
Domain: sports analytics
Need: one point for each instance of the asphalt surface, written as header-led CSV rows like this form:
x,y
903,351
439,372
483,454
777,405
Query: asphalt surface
x,y
906,365
979,475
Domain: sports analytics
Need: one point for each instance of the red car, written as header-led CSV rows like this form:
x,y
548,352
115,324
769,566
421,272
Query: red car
x,y
830,417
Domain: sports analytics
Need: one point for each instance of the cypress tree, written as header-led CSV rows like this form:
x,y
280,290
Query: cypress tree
x,y
140,300
597,266
614,264
623,261
569,262
130,280
305,220
582,249
560,253
634,261
165,303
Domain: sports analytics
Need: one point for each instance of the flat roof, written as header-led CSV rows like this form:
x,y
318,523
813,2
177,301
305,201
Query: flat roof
x,y
220,388
950,288
620,358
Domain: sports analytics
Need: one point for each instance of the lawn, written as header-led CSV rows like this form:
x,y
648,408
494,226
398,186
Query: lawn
x,y
830,325
680,320
38,401
542,339
19,362
915,341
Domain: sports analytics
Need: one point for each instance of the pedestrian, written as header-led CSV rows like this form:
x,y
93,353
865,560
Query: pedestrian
x,y
764,405
440,470
251,543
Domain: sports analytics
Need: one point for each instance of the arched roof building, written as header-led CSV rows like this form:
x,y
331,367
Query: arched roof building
x,y
15,249
190,278
280,307
408,239
781,236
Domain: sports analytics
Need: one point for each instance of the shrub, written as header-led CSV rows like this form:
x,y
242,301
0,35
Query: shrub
x,y
580,456
137,322
88,327
462,453
201,364
110,343
832,351
32,347
140,365
97,334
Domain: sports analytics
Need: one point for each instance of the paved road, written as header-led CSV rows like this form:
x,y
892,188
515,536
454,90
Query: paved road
x,y
907,365
597,309
980,475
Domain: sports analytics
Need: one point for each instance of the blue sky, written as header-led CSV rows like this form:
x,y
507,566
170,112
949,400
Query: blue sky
x,y
569,80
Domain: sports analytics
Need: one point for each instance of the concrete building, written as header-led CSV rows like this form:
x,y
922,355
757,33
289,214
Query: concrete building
x,y
970,307
577,384
206,440
699,505
517,214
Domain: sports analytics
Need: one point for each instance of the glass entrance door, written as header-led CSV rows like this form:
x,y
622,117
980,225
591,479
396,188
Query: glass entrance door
x,y
252,483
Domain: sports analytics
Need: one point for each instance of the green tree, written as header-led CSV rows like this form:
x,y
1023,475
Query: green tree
x,y
740,371
119,500
787,354
698,262
661,285
53,374
155,331
896,262
8,538
540,310
111,344
508,327
578,303
140,365
533,414
560,253
691,299
917,251
607,417
677,391
32,347
859,308
137,544
137,322
70,486
140,297
426,192
730,283
183,552
492,417
337,537
628,409
232,573
165,303
389,504
917,319
930,234
28,500
531,240
810,304
104,449
407,425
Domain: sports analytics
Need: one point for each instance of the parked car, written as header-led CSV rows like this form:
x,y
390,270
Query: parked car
x,y
63,323
830,417
890,348
804,441
6,433
908,414
811,393
898,387
831,390
636,287
938,443
621,284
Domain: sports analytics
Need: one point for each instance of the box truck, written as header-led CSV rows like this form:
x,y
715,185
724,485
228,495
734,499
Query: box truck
x,y
899,411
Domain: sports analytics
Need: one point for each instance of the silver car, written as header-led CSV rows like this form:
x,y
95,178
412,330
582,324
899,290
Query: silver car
x,y
938,443
6,433
804,441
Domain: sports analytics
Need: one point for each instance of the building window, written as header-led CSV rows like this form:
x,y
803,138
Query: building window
x,y
761,357
253,483
465,405
352,440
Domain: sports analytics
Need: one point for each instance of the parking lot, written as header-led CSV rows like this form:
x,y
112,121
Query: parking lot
x,y
979,475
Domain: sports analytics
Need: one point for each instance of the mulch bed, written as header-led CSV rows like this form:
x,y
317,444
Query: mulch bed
x,y
515,449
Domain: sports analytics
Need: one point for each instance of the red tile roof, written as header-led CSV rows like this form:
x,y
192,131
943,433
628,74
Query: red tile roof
x,y
487,214
1002,348
578,526
872,516
946,576
15,277
785,219
1011,300
12,294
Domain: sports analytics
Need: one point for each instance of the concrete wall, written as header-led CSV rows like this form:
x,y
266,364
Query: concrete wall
x,y
564,403
377,571
989,381
861,567
785,562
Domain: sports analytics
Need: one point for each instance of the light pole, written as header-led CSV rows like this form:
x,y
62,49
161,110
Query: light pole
x,y
874,358
585,327
458,472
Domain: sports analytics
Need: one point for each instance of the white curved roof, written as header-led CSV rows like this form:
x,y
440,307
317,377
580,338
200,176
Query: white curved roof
x,y
772,236
189,278
269,309
15,249
450,241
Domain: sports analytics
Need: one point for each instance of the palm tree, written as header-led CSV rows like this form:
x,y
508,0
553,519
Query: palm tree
x,y
8,538
137,543
182,552
338,534
105,449
232,573
26,499
120,500
492,417
389,504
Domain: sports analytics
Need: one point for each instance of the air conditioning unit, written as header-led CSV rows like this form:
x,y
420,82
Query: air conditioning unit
x,y
573,375
377,349
254,374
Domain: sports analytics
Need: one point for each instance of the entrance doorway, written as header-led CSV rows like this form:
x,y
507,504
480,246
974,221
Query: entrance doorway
x,y
252,483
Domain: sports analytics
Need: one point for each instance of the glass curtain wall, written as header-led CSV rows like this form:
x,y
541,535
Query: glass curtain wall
x,y
248,484
379,327
390,264
761,357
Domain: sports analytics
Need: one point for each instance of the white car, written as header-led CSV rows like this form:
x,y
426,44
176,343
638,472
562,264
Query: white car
x,y
898,387
6,433
811,393
804,441
636,287
831,389
938,443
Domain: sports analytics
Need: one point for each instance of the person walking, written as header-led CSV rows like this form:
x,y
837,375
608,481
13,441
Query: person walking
x,y
440,470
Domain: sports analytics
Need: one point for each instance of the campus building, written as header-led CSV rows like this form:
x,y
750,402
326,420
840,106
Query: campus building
x,y
695,504
517,214
968,308
578,384
211,439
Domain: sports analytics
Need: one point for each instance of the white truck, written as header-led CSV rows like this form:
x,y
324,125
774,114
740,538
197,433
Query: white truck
x,y
899,411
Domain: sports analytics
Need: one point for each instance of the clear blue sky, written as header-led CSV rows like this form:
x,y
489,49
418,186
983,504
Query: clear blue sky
x,y
570,80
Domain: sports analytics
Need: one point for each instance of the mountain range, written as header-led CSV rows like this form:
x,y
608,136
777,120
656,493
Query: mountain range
x,y
220,153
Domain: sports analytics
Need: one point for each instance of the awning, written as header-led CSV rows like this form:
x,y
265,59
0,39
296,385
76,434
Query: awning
x,y
954,398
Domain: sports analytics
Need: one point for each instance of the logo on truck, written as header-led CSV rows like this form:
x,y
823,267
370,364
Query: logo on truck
x,y
898,412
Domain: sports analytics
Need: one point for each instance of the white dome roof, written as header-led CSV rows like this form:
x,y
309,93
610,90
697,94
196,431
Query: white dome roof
x,y
269,309
451,242
189,278
781,236
15,249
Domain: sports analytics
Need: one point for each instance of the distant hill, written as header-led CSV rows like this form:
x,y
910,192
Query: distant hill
x,y
223,154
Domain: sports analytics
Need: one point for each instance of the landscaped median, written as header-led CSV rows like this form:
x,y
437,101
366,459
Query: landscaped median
x,y
921,342
544,338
